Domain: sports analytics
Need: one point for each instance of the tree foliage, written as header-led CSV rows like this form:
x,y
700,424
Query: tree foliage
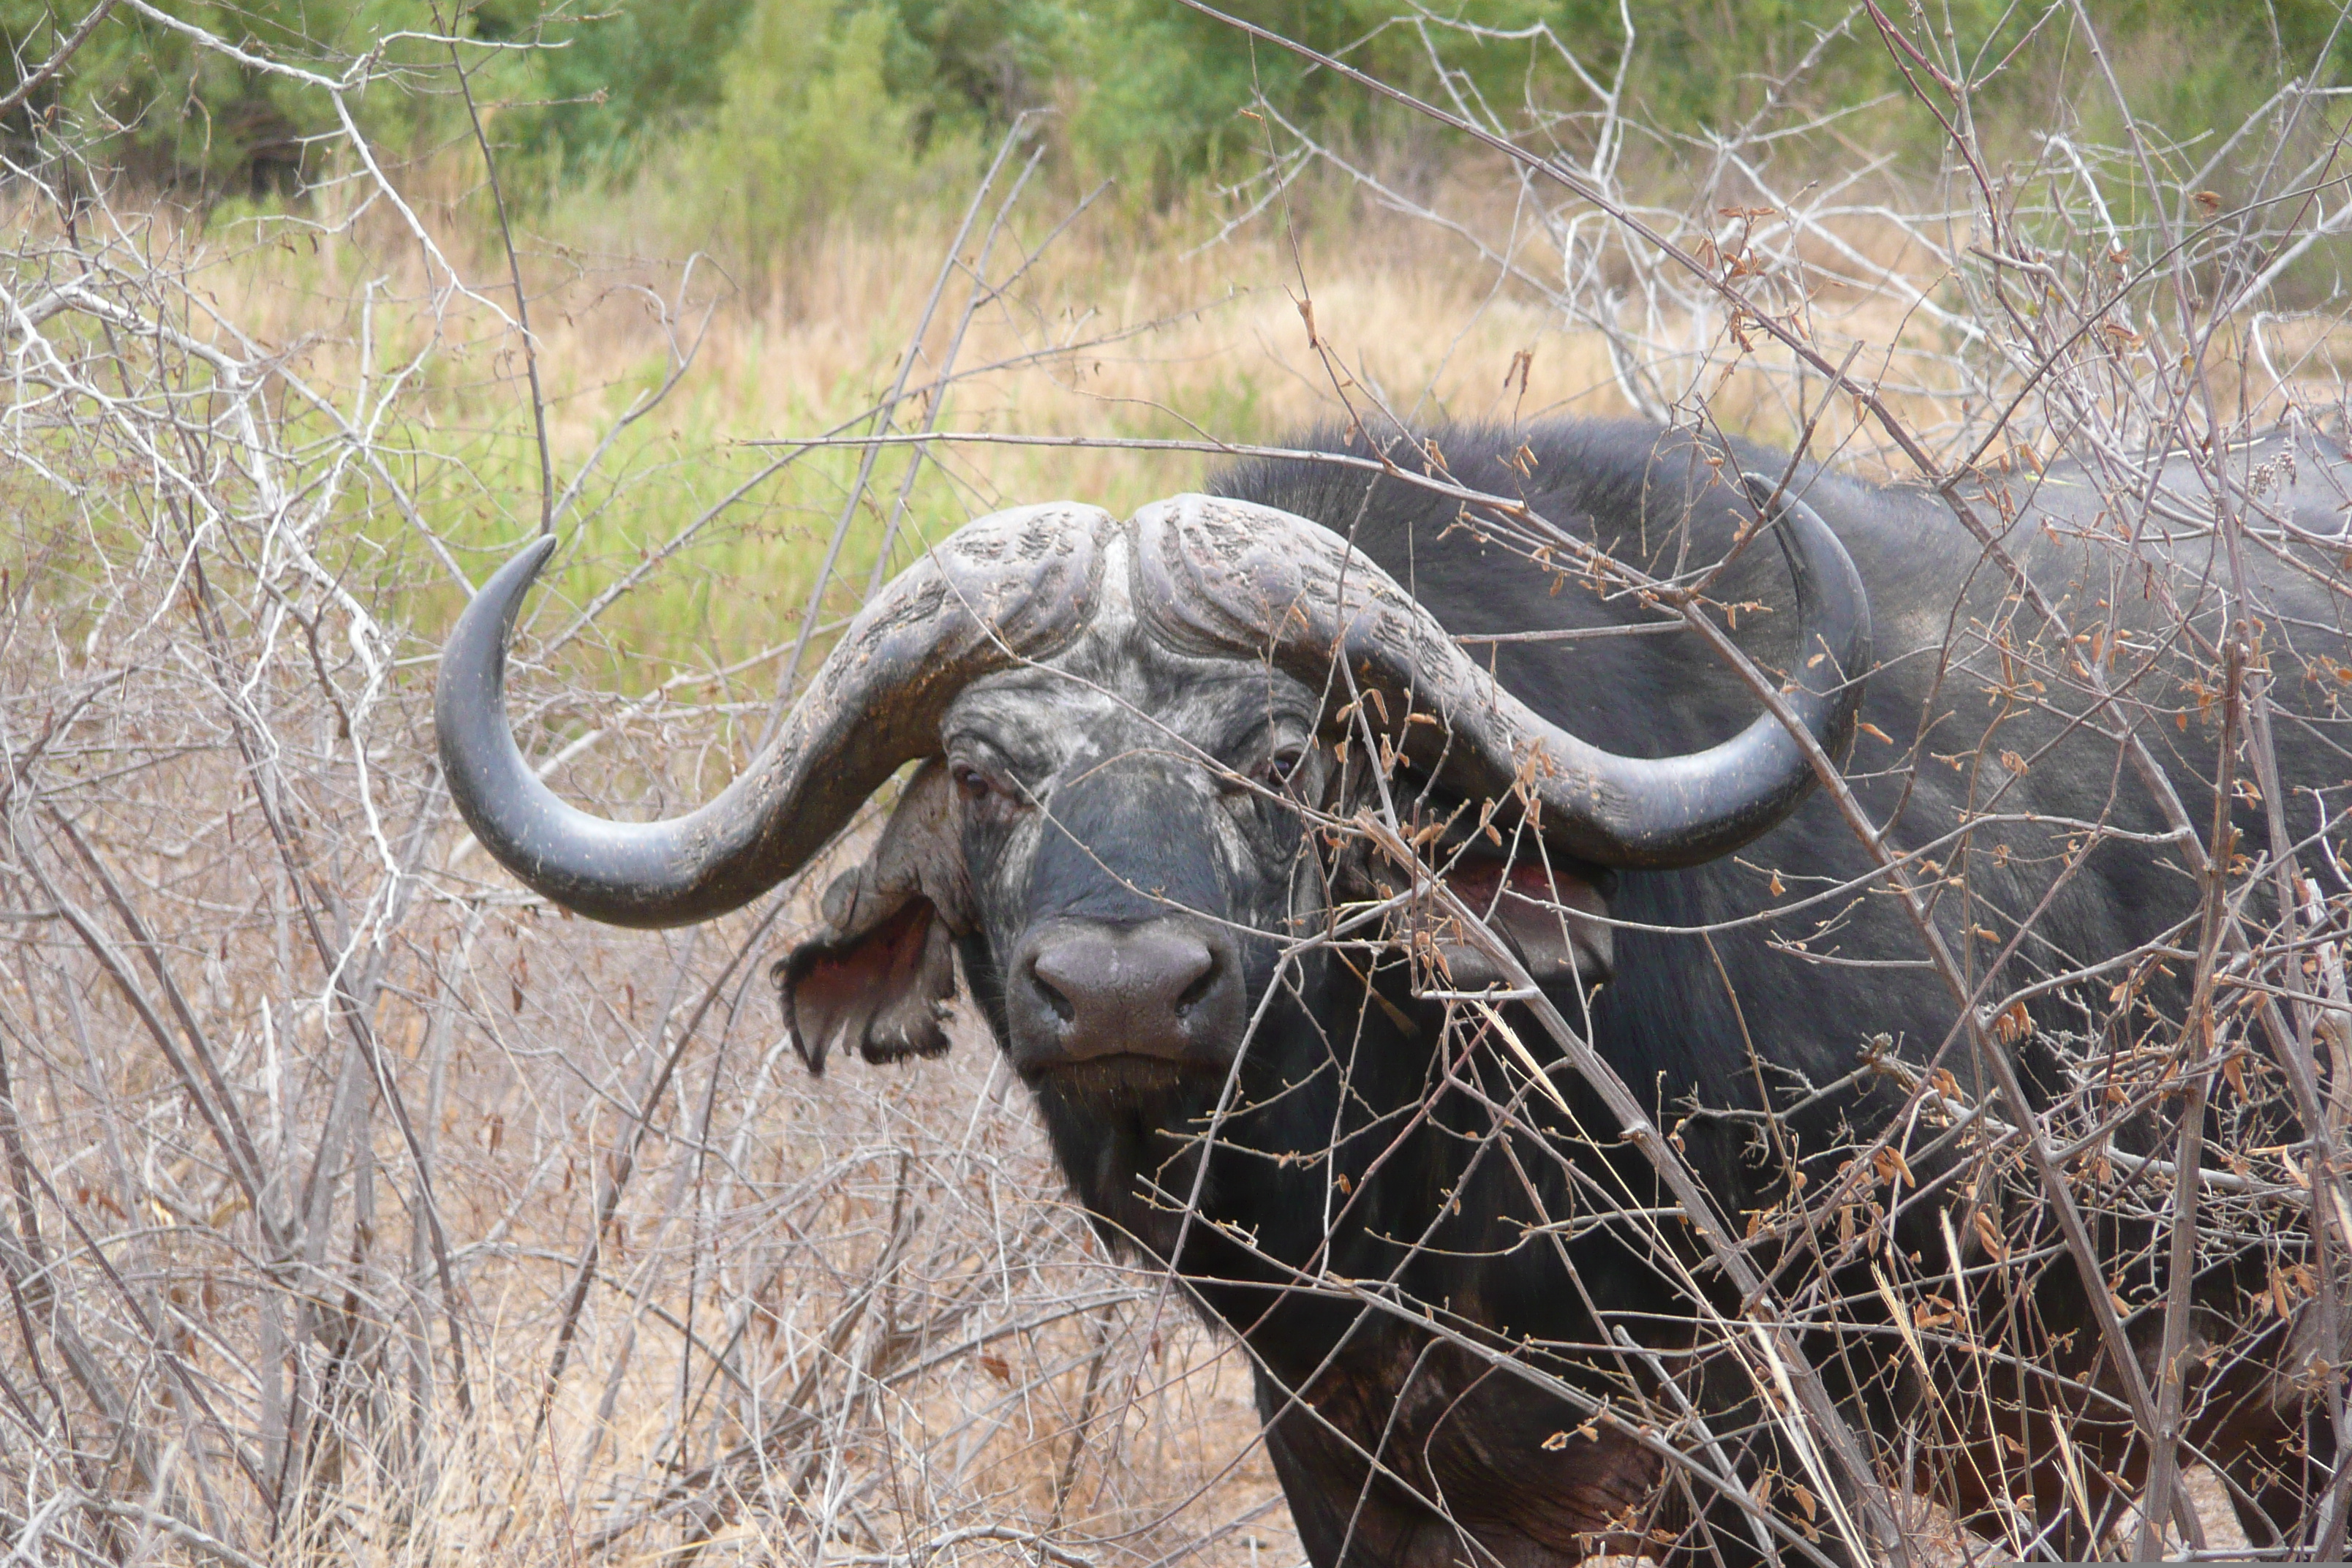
x,y
144,96
1150,90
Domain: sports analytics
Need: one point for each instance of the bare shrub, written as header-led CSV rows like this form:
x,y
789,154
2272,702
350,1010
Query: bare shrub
x,y
362,1206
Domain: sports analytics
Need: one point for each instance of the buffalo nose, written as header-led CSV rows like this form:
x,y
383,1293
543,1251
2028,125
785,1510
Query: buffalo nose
x,y
1165,988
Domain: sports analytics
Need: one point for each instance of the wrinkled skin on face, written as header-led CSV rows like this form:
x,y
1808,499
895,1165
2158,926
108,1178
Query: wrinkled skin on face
x,y
1138,789
1165,792
1117,846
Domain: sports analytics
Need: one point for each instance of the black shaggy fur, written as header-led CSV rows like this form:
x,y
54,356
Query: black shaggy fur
x,y
1362,1140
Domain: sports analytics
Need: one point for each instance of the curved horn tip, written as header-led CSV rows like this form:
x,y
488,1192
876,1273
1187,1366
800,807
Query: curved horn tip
x,y
1764,490
1797,512
510,582
476,651
478,760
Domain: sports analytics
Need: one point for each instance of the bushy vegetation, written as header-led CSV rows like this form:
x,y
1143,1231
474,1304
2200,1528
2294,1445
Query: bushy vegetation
x,y
756,115
362,1209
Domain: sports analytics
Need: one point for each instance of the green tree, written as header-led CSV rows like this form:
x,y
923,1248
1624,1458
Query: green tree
x,y
171,114
806,125
628,76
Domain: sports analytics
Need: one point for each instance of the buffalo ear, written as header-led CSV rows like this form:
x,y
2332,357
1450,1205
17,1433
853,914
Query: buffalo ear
x,y
1552,912
884,991
880,975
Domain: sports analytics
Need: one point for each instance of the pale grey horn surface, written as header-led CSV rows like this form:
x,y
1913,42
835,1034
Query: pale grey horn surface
x,y
1234,576
1014,587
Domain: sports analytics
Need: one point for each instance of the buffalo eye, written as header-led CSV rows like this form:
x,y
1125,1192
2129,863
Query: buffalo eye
x,y
1283,771
986,787
974,786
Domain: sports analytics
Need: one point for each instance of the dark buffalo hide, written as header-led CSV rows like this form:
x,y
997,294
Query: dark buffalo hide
x,y
1482,1330
1466,1398
1396,1444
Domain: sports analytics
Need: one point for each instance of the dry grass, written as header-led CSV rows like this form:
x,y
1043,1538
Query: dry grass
x,y
919,1337
363,1208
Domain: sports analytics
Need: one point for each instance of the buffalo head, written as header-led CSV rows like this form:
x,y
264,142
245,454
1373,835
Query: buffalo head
x,y
1135,739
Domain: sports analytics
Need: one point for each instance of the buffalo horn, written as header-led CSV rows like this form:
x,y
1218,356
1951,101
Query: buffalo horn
x,y
1015,586
1231,576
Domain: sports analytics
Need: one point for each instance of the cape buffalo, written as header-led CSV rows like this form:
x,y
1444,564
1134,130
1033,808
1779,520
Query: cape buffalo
x,y
1169,772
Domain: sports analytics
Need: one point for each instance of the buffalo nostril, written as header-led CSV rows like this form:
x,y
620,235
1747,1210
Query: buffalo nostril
x,y
1191,995
1160,988
1055,1003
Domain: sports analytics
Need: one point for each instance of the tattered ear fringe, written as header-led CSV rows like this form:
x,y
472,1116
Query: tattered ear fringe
x,y
899,1048
882,988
